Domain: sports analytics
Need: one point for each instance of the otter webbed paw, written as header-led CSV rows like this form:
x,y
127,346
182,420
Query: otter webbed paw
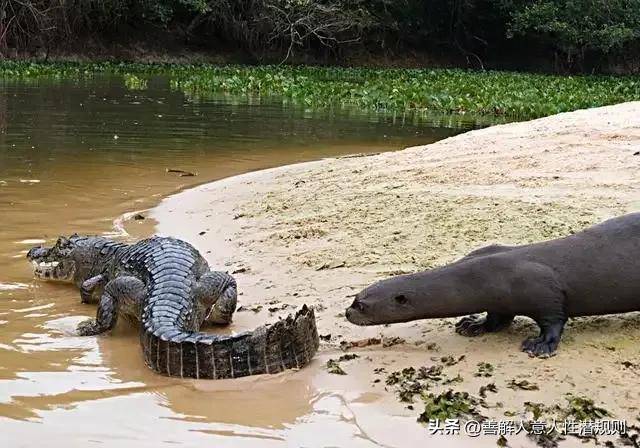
x,y
545,345
475,325
88,327
471,326
539,347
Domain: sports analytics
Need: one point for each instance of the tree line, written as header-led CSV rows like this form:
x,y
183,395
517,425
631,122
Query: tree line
x,y
565,35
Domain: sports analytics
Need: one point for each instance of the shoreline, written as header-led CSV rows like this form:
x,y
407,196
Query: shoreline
x,y
317,232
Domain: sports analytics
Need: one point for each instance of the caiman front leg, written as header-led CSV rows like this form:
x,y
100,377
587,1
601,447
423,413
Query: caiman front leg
x,y
89,286
476,325
122,290
217,294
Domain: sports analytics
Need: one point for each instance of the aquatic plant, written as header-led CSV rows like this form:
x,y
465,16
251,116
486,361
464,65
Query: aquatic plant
x,y
491,387
485,369
452,91
333,365
449,405
410,382
134,82
582,408
578,408
522,384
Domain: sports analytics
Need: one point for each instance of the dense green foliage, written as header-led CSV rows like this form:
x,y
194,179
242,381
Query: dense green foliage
x,y
575,34
578,26
514,95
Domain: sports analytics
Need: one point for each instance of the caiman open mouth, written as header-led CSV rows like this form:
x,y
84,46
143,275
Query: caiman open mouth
x,y
52,270
52,263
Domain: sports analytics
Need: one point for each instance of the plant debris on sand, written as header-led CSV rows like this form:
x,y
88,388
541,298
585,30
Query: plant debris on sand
x,y
582,409
346,345
450,360
577,409
333,365
448,405
522,384
491,387
410,382
485,369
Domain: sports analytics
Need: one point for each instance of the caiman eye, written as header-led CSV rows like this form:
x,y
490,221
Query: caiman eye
x,y
62,242
401,299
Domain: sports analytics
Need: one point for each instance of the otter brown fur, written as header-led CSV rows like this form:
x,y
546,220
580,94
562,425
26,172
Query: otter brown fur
x,y
593,272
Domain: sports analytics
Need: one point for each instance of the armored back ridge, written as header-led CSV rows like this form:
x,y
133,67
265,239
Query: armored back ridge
x,y
167,286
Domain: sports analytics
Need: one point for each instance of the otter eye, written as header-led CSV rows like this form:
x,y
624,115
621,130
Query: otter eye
x,y
401,299
357,305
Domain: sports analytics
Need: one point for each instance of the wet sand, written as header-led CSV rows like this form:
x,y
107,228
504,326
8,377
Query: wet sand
x,y
318,232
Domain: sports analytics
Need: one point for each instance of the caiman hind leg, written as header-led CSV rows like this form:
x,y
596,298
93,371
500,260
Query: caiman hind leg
x,y
477,325
123,294
216,293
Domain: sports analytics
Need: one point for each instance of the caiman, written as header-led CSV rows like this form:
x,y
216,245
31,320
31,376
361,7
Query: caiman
x,y
167,287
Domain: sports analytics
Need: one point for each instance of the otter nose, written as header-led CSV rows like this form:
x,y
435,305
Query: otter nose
x,y
347,313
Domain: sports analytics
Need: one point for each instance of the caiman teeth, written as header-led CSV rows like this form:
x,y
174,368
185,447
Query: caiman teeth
x,y
48,264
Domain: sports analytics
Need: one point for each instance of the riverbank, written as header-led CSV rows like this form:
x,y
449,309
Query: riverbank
x,y
402,92
318,232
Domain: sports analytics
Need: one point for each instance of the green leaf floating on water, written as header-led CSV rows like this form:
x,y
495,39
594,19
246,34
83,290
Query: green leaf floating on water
x,y
449,91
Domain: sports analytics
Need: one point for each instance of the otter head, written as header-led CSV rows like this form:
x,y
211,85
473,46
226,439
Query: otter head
x,y
387,301
54,263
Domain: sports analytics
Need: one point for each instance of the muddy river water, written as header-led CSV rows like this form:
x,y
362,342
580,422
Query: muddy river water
x,y
77,155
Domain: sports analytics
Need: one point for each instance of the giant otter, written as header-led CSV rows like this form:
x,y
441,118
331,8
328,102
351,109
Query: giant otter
x,y
593,272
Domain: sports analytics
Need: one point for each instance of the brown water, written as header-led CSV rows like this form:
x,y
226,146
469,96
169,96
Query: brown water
x,y
76,156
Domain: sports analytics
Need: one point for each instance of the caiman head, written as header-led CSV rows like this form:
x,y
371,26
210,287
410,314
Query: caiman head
x,y
57,263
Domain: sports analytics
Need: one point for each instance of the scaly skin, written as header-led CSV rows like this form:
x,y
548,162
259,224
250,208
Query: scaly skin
x,y
166,285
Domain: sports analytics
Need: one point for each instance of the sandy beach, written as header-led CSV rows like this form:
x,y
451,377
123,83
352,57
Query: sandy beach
x,y
316,233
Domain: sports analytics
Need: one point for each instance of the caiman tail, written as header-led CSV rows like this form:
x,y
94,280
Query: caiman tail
x,y
286,344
